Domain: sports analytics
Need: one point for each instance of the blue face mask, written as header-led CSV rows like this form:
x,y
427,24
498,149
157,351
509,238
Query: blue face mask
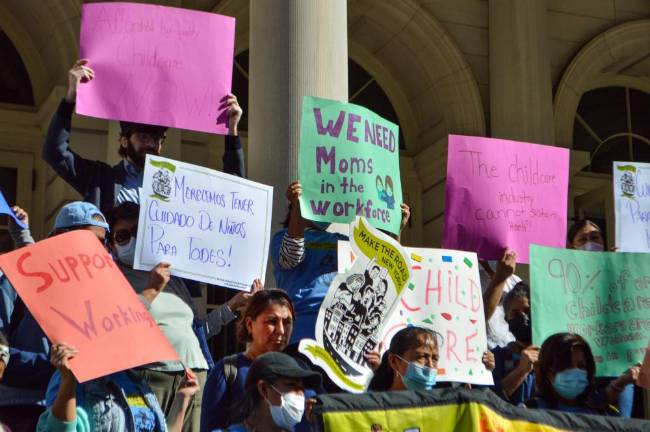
x,y
419,377
570,383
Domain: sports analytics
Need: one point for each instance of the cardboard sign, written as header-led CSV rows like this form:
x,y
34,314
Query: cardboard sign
x,y
157,65
212,227
632,206
6,209
602,296
502,194
78,295
444,295
349,165
353,314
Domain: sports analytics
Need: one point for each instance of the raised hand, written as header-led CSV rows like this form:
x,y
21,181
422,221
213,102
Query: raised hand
x,y
21,215
79,73
159,276
293,192
234,112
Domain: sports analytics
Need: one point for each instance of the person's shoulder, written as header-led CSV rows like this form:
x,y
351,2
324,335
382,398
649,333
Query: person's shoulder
x,y
277,237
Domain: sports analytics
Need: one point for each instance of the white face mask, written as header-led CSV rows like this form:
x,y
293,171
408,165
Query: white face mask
x,y
290,411
126,253
591,246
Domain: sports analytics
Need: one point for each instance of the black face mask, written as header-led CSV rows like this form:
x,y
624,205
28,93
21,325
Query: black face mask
x,y
521,328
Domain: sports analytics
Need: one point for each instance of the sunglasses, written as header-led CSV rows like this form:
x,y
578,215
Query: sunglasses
x,y
124,235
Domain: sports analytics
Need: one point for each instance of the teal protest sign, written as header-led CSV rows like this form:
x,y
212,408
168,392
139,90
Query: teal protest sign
x,y
602,296
349,165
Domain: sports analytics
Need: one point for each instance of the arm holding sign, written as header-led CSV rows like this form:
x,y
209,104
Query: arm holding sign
x,y
158,279
617,386
233,155
505,268
65,405
292,250
20,236
517,376
220,317
74,169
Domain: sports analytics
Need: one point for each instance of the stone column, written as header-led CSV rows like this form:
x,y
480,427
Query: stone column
x,y
521,99
297,48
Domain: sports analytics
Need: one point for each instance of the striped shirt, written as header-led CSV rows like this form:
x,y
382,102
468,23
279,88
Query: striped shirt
x,y
292,252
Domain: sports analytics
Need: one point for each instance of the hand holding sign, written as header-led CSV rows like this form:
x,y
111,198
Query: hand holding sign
x,y
60,356
18,215
79,73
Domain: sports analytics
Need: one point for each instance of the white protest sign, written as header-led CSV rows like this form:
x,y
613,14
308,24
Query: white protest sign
x,y
632,206
210,226
354,312
444,295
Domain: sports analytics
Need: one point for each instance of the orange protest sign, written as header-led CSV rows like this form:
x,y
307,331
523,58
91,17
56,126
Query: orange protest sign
x,y
79,296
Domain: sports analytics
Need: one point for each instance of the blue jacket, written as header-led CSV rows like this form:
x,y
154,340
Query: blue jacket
x,y
97,181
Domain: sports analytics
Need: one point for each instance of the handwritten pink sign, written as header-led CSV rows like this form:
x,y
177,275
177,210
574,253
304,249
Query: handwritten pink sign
x,y
503,193
157,65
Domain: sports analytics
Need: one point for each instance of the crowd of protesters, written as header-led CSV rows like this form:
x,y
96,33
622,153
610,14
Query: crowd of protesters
x,y
268,386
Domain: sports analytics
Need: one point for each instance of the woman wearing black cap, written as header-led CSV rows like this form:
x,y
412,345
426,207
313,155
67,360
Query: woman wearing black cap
x,y
275,394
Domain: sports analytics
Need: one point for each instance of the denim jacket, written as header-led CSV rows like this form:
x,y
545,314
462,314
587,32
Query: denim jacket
x,y
101,407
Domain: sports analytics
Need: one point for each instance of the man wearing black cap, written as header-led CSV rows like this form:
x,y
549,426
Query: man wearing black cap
x,y
275,394
106,186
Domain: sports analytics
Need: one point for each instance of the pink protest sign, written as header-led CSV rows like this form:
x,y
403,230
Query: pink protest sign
x,y
503,193
157,65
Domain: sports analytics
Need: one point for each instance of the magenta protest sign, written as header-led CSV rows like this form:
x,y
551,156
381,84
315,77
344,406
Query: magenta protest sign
x,y
157,65
503,193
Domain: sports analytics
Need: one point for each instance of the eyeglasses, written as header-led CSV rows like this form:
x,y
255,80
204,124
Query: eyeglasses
x,y
124,235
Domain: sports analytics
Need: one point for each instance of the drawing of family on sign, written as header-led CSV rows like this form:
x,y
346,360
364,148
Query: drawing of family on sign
x,y
357,310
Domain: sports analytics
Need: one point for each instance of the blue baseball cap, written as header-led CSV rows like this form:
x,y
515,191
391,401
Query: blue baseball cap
x,y
80,213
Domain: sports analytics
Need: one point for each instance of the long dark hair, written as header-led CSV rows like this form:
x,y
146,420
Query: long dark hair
x,y
554,357
258,304
404,340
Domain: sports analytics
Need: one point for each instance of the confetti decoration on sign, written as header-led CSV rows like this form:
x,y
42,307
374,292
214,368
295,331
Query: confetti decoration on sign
x,y
468,263
447,258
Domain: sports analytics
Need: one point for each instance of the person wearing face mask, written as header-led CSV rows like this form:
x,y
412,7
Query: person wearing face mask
x,y
410,363
275,398
173,309
587,236
514,379
105,185
565,378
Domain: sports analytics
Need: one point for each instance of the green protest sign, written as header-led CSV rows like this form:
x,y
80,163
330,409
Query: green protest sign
x,y
602,296
348,165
